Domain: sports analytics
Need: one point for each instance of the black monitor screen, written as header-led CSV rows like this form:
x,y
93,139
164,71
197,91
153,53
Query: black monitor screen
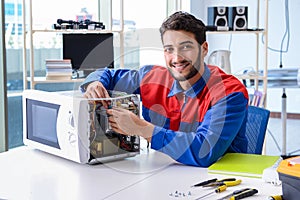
x,y
89,51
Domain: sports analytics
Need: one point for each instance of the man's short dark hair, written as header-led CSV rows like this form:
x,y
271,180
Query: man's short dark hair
x,y
184,21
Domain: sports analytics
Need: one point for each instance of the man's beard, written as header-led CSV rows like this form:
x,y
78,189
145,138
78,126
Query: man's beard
x,y
194,70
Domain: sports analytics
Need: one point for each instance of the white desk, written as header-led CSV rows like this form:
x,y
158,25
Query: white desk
x,y
29,174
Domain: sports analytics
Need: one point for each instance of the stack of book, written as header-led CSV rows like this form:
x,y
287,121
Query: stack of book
x,y
58,69
257,98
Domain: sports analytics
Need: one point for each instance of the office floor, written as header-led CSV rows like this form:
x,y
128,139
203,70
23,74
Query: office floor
x,y
274,137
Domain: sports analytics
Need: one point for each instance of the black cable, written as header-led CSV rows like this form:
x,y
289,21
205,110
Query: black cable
x,y
287,32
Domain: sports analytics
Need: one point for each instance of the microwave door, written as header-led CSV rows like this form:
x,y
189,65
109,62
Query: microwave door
x,y
42,122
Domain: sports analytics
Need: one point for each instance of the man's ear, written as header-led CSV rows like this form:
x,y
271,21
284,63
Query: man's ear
x,y
204,49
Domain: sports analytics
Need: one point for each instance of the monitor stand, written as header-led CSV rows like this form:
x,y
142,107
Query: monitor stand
x,y
81,73
78,74
86,72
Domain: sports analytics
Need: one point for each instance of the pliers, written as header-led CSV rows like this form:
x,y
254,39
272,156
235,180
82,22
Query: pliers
x,y
216,183
221,185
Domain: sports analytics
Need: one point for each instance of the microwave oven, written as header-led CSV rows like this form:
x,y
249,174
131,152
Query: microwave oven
x,y
76,128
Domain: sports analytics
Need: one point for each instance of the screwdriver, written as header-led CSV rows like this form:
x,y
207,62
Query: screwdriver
x,y
234,193
277,197
218,190
244,194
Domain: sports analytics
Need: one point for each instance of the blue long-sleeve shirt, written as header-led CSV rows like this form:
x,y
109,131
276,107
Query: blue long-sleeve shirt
x,y
194,127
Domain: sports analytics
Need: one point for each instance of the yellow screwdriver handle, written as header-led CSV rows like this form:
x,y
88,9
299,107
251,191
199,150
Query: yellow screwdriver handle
x,y
233,183
221,188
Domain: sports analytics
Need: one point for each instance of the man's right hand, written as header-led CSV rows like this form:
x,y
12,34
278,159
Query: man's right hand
x,y
97,90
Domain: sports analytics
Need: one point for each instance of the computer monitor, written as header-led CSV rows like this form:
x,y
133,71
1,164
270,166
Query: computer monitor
x,y
89,51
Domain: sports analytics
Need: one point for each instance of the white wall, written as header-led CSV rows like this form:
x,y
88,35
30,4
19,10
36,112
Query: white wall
x,y
245,43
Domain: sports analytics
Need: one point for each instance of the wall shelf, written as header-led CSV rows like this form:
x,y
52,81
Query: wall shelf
x,y
40,79
72,31
236,32
32,80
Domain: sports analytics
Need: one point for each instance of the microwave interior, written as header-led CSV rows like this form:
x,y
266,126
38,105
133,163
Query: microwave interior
x,y
103,140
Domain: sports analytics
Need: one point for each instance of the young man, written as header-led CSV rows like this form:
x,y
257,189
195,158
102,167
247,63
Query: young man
x,y
192,112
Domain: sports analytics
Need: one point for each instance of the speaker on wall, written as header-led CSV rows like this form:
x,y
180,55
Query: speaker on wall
x,y
239,18
218,16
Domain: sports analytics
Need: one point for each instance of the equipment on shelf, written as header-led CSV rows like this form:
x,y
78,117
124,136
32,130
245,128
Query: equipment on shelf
x,y
239,16
218,16
84,24
230,18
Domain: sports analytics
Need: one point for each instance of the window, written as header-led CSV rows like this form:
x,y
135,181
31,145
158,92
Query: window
x,y
145,38
14,70
3,102
142,19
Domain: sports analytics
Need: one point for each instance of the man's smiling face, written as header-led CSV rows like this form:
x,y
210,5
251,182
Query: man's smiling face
x,y
182,54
